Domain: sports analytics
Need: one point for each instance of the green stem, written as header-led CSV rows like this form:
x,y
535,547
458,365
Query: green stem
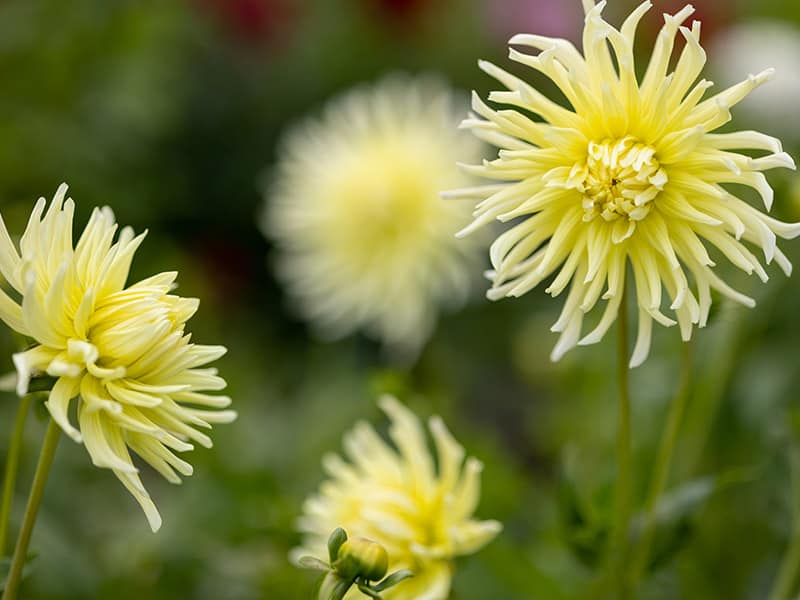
x,y
619,537
31,510
12,464
788,571
790,565
663,465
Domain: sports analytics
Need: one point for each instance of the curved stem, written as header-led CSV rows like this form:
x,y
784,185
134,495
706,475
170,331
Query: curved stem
x,y
790,565
663,464
619,537
12,464
31,510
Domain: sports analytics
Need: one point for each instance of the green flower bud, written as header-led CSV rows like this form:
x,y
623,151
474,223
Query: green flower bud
x,y
360,557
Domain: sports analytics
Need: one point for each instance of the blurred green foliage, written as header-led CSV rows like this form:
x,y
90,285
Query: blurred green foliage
x,y
169,112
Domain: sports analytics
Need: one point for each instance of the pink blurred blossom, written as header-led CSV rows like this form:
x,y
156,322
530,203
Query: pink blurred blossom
x,y
554,18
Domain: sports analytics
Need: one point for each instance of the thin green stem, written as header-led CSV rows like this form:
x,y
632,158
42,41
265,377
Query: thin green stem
x,y
12,464
619,536
662,467
787,574
790,565
31,510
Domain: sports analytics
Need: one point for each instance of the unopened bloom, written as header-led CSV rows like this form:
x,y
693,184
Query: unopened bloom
x,y
120,350
419,509
364,240
629,174
360,557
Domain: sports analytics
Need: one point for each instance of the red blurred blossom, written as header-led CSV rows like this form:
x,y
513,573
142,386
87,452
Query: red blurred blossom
x,y
400,13
254,21
228,266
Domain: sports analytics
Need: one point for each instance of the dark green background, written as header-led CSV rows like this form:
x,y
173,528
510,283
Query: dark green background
x,y
169,113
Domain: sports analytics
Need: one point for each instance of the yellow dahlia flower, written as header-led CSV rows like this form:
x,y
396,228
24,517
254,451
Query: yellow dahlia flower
x,y
122,351
365,241
419,508
631,173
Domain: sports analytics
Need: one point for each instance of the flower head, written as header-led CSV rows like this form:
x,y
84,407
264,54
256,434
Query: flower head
x,y
421,515
122,351
364,240
630,173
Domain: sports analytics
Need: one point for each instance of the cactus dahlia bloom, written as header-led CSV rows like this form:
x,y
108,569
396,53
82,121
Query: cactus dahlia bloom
x,y
630,173
364,240
422,514
121,351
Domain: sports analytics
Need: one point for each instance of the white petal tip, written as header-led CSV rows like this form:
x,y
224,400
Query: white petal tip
x,y
155,523
589,340
636,361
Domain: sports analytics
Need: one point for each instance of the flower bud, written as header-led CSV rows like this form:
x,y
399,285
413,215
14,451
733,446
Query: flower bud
x,y
360,557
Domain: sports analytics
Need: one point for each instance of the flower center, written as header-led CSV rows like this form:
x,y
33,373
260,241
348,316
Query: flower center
x,y
620,179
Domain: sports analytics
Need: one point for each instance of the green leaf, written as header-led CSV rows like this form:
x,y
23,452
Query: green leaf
x,y
333,587
392,580
311,562
335,541
684,500
676,509
368,591
586,525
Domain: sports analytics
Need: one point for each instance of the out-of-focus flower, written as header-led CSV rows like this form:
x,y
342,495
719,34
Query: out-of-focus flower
x,y
420,513
748,47
554,18
255,20
365,241
122,351
399,9
632,173
714,15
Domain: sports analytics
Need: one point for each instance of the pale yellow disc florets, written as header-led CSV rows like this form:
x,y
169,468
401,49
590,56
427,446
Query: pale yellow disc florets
x,y
620,179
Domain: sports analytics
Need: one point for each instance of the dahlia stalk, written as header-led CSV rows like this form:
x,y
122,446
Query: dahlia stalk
x,y
628,187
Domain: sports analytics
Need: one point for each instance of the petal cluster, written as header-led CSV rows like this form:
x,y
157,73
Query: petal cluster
x,y
121,351
419,508
364,240
627,181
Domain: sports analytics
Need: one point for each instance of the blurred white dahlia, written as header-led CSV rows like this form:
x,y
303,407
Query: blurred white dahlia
x,y
750,45
121,351
631,173
364,240
420,509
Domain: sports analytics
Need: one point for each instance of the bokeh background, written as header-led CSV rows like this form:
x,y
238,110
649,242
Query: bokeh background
x,y
169,112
